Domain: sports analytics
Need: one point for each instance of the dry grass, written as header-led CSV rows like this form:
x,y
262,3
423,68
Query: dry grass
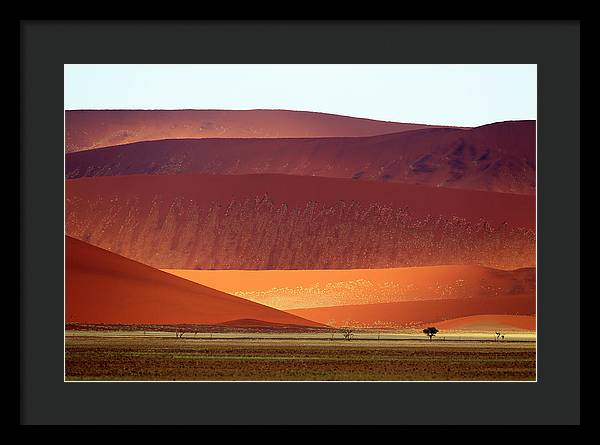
x,y
166,359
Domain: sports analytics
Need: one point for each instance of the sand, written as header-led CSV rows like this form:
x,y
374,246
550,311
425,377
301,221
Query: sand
x,y
293,289
87,129
418,312
297,222
105,288
492,322
498,157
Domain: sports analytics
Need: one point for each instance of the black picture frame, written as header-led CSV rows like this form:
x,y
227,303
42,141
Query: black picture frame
x,y
45,46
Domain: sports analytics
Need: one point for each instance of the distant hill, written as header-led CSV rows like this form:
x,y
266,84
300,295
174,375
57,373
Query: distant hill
x,y
87,129
498,157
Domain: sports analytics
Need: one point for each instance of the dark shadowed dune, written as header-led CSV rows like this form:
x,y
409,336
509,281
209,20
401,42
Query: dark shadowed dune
x,y
498,157
104,288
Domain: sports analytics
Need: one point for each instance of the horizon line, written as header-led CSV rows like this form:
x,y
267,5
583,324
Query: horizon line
x,y
299,111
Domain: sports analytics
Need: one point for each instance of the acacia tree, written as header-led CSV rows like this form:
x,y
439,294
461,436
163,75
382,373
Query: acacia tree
x,y
430,331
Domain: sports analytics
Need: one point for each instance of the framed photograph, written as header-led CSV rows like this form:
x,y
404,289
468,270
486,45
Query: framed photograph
x,y
320,226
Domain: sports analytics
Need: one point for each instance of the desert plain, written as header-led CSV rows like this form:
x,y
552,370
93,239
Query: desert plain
x,y
252,356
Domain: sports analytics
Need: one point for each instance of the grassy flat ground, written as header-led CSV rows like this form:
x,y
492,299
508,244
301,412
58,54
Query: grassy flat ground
x,y
159,356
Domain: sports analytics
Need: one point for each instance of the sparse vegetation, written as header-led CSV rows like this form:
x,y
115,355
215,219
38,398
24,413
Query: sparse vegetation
x,y
102,357
347,333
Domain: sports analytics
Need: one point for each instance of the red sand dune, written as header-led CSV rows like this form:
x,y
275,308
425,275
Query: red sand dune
x,y
498,157
415,313
296,222
490,322
105,288
293,289
86,129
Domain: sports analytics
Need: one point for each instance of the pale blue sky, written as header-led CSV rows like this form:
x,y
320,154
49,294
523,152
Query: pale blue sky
x,y
464,95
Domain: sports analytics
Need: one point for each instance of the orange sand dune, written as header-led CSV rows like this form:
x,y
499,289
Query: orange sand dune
x,y
86,129
490,322
293,289
298,222
497,157
415,313
105,288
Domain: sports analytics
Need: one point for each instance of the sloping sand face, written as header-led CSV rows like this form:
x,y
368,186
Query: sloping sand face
x,y
293,289
295,222
88,129
498,157
105,288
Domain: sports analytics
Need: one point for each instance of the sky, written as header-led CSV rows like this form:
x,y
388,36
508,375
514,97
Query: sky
x,y
461,95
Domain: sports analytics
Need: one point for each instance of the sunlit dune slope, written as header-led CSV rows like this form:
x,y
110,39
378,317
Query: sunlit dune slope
x,y
490,322
411,313
497,157
291,289
298,222
105,288
86,129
